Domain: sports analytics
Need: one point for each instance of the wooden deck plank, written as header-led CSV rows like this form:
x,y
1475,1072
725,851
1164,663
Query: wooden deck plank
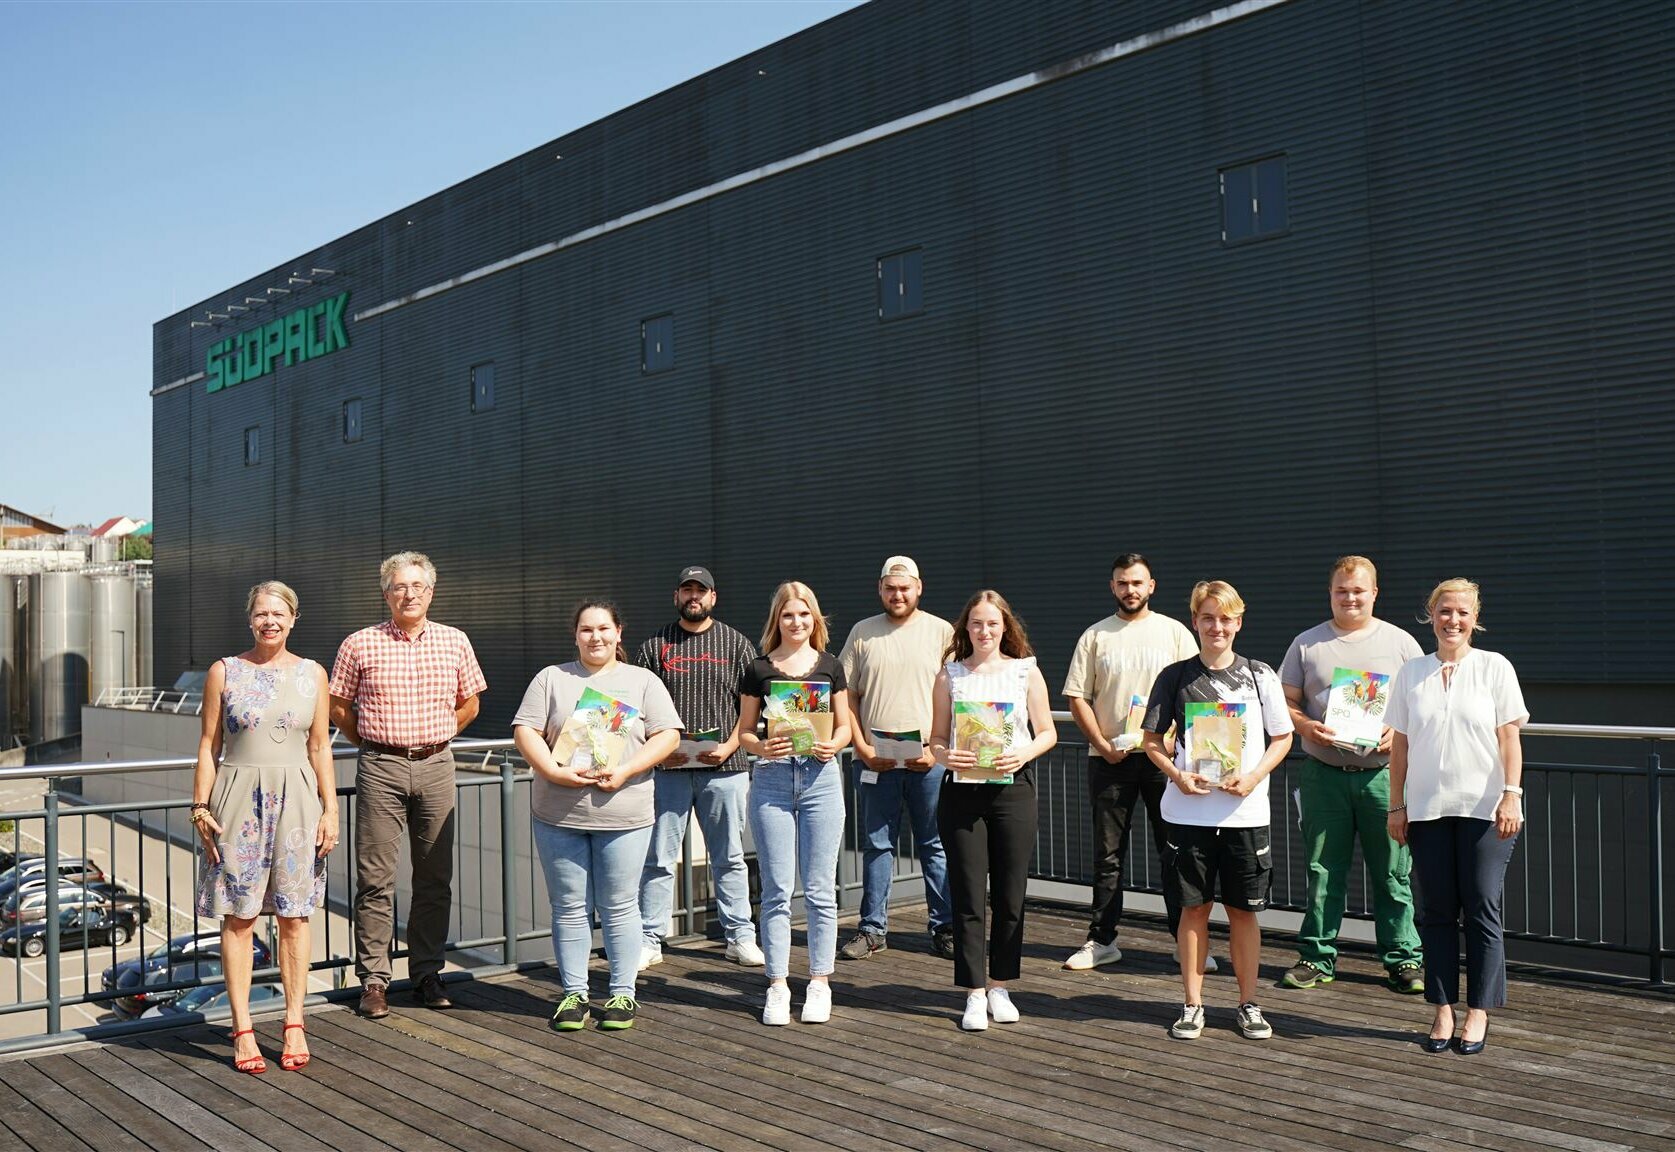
x,y
1571,1065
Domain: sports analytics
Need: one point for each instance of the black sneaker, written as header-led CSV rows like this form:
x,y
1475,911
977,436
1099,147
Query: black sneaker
x,y
618,1014
863,944
1305,975
1408,979
942,943
570,1015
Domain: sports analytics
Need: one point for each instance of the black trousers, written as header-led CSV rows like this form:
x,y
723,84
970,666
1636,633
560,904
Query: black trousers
x,y
1114,803
1459,874
988,832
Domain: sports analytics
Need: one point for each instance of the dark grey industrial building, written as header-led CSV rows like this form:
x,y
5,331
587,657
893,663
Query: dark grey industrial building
x,y
1244,288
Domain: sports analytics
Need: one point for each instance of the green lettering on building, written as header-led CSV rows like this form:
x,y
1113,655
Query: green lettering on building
x,y
291,339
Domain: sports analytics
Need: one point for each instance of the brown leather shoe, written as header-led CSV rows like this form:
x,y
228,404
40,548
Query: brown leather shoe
x,y
429,992
374,1004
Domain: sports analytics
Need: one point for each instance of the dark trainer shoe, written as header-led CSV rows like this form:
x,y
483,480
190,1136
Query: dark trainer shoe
x,y
861,945
1408,979
942,943
570,1014
618,1014
1305,975
431,994
375,1005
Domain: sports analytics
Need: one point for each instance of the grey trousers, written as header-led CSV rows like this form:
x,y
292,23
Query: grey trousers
x,y
393,794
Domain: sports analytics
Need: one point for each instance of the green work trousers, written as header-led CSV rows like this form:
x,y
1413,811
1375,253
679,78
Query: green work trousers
x,y
1338,807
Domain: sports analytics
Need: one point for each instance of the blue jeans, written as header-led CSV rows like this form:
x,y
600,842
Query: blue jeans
x,y
719,799
796,815
881,806
574,861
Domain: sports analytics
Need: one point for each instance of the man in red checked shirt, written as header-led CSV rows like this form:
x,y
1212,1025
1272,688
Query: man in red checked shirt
x,y
402,690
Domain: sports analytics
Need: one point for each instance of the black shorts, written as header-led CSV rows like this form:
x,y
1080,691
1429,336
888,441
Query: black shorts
x,y
1198,861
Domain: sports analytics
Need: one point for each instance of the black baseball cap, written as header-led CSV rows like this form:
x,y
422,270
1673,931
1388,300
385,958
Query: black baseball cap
x,y
698,573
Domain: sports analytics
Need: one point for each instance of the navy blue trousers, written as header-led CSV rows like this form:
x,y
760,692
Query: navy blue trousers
x,y
1459,875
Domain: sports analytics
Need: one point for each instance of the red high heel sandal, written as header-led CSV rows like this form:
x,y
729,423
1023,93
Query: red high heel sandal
x,y
254,1065
294,1061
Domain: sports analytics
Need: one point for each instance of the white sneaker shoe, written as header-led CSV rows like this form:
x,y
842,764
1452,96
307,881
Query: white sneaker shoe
x,y
817,1004
1210,965
776,1009
746,952
1093,955
1001,1008
650,954
976,1018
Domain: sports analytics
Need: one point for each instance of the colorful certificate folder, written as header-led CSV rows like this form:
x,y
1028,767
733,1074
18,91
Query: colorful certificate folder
x,y
1215,739
983,727
596,734
800,710
1355,708
900,746
697,740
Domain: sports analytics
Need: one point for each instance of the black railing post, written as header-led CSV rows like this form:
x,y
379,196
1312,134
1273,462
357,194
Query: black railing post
x,y
1654,857
508,865
50,836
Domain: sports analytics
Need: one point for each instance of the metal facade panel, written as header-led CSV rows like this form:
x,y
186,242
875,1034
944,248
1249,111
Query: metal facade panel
x,y
1456,358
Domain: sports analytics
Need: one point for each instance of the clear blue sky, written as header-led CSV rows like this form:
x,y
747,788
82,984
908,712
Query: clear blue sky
x,y
153,153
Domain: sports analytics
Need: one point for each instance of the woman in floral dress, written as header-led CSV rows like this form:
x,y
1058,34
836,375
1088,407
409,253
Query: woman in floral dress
x,y
264,801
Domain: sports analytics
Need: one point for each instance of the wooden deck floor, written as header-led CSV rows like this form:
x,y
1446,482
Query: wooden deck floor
x,y
1569,1065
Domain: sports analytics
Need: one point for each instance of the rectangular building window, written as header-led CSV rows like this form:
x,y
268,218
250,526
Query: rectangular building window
x,y
351,420
482,387
900,288
657,343
252,446
1253,200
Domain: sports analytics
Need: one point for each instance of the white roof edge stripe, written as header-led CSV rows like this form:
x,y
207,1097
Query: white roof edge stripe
x,y
820,152
181,383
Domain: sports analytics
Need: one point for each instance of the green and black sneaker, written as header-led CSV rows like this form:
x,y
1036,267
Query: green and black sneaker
x,y
1305,975
570,1014
618,1014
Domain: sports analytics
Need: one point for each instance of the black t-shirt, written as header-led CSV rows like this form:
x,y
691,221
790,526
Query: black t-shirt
x,y
703,671
762,672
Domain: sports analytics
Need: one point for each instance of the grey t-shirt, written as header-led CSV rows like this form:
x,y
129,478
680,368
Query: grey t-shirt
x,y
548,703
1313,656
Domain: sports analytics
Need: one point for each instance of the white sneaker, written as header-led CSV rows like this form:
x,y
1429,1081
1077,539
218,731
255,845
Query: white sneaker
x,y
976,1018
1210,964
1001,1008
817,1004
746,952
1093,955
776,1009
650,954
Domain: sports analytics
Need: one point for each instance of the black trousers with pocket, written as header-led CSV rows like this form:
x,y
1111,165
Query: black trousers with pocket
x,y
988,832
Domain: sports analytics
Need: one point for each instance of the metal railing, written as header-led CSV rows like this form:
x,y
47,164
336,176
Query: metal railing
x,y
1589,874
147,699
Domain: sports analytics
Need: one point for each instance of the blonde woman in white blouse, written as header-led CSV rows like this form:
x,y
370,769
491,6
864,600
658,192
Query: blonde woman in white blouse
x,y
1456,799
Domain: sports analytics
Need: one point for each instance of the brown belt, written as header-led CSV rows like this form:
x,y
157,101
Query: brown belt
x,y
422,752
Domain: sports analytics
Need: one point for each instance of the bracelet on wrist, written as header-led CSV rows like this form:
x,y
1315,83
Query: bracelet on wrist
x,y
1514,789
1396,809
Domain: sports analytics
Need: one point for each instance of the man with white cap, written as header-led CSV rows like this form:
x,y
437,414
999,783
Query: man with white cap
x,y
891,661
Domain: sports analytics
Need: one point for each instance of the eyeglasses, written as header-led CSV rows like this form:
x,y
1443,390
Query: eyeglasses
x,y
405,589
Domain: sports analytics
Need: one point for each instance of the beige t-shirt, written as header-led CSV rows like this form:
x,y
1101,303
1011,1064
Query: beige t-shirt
x,y
1117,659
891,668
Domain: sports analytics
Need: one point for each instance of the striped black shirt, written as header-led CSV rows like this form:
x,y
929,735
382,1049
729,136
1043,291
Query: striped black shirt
x,y
702,671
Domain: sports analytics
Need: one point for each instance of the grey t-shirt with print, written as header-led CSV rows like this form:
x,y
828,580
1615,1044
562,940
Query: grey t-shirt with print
x,y
1314,655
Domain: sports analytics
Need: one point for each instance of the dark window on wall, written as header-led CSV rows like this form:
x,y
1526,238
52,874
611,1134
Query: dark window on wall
x,y
657,343
1253,200
252,446
482,387
900,284
351,420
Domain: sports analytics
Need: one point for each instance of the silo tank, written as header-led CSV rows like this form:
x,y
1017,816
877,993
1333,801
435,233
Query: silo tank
x,y
111,643
143,673
59,621
14,691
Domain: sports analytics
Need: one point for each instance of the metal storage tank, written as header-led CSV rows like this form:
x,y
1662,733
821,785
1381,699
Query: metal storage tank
x,y
14,691
111,643
106,549
143,673
58,638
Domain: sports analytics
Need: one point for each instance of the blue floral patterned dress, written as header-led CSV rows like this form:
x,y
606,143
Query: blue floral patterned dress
x,y
266,797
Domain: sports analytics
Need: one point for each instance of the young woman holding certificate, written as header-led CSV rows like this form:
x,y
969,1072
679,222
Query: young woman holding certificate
x,y
592,730
1456,799
796,791
990,718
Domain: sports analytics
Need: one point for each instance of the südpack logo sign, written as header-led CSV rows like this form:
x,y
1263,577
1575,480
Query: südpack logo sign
x,y
305,334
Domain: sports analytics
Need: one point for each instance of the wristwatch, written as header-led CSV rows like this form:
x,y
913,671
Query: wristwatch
x,y
1514,789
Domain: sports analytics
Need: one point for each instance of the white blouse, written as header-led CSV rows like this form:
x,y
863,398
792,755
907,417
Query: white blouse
x,y
1453,755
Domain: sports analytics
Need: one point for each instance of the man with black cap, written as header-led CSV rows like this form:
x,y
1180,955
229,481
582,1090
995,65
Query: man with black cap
x,y
701,660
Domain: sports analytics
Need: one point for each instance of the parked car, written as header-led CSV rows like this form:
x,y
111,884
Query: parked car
x,y
33,869
77,928
210,997
31,903
132,973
